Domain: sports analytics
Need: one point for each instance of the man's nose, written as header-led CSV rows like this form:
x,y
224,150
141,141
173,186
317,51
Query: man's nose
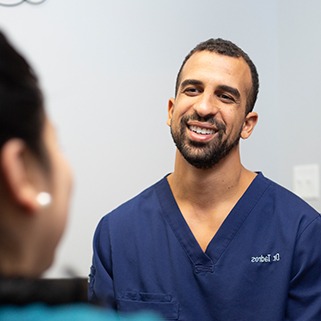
x,y
206,106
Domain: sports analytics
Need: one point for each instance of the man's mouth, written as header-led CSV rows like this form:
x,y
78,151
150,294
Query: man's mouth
x,y
201,130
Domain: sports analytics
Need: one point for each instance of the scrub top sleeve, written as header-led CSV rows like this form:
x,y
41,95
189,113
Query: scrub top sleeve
x,y
101,289
304,300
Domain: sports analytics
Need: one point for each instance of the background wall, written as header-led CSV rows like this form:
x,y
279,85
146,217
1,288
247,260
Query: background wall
x,y
108,68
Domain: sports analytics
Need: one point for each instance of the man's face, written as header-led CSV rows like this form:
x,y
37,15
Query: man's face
x,y
207,117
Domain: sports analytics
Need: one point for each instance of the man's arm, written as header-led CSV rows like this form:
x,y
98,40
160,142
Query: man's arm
x,y
304,299
101,289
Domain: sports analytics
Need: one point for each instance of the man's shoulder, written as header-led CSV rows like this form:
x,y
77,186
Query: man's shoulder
x,y
138,204
143,196
286,200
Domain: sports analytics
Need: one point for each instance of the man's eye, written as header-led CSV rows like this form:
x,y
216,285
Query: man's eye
x,y
191,90
227,98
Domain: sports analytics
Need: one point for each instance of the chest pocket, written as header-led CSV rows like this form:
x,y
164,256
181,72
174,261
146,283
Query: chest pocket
x,y
162,304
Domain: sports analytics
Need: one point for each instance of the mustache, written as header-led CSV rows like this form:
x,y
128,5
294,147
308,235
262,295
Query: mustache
x,y
208,119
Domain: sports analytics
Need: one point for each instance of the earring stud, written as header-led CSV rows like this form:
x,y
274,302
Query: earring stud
x,y
44,199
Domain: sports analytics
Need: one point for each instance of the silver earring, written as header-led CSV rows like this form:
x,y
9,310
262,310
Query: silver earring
x,y
44,199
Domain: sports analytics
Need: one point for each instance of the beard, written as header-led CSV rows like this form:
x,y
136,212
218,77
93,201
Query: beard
x,y
203,155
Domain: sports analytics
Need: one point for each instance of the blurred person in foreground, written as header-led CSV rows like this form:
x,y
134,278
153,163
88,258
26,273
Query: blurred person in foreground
x,y
35,189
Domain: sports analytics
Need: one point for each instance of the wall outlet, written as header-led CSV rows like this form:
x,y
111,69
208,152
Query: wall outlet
x,y
306,181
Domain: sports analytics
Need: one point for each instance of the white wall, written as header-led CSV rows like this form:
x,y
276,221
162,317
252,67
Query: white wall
x,y
299,104
108,69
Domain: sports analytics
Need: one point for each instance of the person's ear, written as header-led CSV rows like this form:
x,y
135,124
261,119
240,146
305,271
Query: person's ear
x,y
170,110
14,165
250,121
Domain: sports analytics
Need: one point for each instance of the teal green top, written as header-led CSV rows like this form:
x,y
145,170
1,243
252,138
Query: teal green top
x,y
73,312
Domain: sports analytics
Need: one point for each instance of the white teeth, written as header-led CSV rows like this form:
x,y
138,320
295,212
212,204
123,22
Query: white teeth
x,y
203,131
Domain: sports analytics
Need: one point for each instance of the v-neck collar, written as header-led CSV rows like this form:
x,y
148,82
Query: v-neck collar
x,y
205,261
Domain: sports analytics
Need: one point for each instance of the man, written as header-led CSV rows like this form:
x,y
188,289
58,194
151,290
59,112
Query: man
x,y
212,240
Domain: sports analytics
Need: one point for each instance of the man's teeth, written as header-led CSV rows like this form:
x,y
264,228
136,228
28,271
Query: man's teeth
x,y
203,131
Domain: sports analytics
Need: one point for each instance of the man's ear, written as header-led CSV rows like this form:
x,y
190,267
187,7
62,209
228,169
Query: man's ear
x,y
170,110
13,162
250,121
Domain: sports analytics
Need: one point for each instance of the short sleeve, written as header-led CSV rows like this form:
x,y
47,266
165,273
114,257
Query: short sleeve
x,y
100,289
304,298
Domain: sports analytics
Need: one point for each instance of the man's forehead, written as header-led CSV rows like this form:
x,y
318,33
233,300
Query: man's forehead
x,y
210,58
208,62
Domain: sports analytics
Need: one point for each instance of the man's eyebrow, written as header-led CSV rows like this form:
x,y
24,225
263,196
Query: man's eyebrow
x,y
230,90
193,82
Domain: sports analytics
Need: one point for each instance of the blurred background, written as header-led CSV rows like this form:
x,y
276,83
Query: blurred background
x,y
108,68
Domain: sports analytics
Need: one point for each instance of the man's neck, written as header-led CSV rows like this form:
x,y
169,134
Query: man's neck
x,y
206,197
226,181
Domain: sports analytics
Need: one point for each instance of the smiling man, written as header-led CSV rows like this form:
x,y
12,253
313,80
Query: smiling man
x,y
212,240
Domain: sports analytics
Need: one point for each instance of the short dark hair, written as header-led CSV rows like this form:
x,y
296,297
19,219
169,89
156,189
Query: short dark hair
x,y
226,48
22,112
